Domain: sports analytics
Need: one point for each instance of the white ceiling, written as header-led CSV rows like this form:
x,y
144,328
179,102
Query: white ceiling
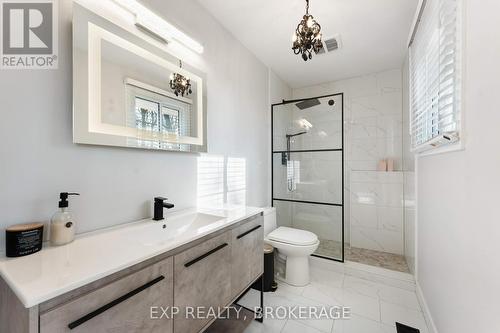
x,y
374,34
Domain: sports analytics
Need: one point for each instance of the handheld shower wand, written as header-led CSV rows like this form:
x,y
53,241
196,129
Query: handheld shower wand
x,y
285,157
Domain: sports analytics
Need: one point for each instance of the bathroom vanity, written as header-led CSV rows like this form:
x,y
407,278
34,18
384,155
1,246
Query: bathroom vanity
x,y
131,278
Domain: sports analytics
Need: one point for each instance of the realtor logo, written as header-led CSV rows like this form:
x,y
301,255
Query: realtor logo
x,y
29,34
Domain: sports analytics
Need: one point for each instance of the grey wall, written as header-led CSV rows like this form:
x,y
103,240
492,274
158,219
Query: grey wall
x,y
457,193
278,91
38,158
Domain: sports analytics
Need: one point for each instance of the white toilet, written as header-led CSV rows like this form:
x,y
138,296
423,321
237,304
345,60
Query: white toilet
x,y
295,244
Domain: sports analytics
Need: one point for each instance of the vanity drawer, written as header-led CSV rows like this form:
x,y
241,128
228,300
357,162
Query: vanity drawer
x,y
121,306
247,254
202,278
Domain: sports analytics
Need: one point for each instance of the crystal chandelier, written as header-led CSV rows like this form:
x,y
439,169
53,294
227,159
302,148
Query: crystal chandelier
x,y
180,84
307,36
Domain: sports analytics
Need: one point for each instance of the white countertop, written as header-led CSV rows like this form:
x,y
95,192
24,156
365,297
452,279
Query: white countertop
x,y
91,256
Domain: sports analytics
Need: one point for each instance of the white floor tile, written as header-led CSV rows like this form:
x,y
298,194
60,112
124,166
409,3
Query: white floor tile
x,y
325,295
304,301
268,326
375,306
362,286
400,297
359,324
286,288
326,277
251,299
392,313
282,300
293,326
362,305
323,325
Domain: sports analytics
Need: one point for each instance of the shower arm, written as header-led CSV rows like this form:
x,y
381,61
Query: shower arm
x,y
288,138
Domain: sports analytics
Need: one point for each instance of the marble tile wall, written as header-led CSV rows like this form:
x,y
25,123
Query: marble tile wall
x,y
325,221
311,176
373,117
373,130
377,211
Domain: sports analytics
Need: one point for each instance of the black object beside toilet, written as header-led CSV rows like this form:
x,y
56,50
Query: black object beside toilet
x,y
268,276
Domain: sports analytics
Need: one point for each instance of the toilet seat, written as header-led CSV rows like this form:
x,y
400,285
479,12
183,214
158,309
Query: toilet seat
x,y
293,236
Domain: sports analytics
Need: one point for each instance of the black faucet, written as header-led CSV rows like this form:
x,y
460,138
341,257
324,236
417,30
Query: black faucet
x,y
159,205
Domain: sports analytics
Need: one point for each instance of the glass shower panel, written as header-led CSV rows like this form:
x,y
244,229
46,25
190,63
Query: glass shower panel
x,y
308,176
307,169
308,125
323,220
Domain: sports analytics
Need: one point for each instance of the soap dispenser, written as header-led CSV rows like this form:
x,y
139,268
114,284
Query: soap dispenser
x,y
62,225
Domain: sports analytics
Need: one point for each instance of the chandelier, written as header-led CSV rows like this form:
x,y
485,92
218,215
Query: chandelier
x,y
307,36
180,84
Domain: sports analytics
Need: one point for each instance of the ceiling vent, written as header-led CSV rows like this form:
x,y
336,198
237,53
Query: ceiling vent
x,y
331,44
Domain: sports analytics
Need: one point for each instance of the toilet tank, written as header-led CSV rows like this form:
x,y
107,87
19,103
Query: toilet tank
x,y
269,220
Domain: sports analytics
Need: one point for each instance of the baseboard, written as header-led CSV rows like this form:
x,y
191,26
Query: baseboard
x,y
425,309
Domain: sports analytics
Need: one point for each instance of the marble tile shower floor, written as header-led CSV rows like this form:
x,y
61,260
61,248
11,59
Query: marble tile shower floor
x,y
333,249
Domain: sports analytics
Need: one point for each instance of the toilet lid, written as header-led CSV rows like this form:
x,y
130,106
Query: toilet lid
x,y
293,236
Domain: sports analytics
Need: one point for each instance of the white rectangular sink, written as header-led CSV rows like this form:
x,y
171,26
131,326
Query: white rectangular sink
x,y
154,233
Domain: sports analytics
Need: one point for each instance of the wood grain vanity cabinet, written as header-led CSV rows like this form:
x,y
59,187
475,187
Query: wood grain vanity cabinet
x,y
122,306
212,271
202,279
247,260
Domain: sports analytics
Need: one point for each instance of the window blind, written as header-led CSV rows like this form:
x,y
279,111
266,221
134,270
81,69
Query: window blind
x,y
435,74
221,180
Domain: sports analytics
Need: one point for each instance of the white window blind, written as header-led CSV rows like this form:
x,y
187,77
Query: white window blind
x,y
435,76
210,180
236,181
221,180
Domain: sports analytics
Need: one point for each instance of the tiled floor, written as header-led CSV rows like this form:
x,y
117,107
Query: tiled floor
x,y
375,307
333,249
386,260
329,248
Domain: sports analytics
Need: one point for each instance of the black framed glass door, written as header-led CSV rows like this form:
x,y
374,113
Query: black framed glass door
x,y
308,169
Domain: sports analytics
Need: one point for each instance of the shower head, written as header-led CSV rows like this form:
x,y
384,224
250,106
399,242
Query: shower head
x,y
308,103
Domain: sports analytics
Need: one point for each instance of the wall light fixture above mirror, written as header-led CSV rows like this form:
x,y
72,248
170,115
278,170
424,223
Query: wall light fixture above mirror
x,y
148,20
123,94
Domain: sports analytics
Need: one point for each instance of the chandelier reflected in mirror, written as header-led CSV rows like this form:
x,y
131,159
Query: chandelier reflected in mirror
x,y
180,84
307,36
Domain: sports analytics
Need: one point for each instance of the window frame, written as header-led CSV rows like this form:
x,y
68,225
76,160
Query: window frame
x,y
460,144
183,109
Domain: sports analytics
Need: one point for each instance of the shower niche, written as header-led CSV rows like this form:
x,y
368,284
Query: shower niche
x,y
307,169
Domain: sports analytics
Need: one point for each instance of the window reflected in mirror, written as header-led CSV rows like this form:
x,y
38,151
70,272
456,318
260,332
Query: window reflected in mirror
x,y
154,112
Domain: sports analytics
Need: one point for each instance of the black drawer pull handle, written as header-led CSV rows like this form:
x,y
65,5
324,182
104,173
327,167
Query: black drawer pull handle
x,y
117,301
249,231
194,261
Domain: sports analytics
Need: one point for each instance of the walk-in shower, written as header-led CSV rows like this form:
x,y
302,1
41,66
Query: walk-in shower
x,y
307,169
